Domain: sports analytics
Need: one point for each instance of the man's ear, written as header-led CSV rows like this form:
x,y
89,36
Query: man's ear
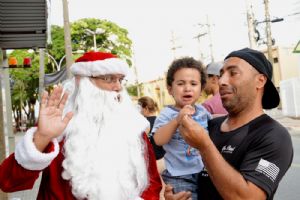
x,y
261,81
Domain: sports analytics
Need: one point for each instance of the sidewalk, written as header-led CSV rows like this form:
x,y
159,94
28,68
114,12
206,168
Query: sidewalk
x,y
292,124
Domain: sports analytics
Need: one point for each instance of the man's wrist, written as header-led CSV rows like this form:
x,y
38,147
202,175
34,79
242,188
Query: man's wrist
x,y
41,141
205,144
29,156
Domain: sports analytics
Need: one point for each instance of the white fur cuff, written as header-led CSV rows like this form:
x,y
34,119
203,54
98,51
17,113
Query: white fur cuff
x,y
29,157
100,67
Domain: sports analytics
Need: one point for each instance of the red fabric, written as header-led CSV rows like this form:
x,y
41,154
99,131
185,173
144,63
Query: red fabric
x,y
155,185
94,56
14,177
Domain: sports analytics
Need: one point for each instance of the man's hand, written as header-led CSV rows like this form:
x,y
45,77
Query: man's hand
x,y
50,122
186,110
169,195
192,132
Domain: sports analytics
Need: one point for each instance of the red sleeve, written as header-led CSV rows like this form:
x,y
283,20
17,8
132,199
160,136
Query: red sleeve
x,y
155,185
13,177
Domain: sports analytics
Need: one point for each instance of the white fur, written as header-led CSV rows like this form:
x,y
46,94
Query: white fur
x,y
104,149
29,157
100,67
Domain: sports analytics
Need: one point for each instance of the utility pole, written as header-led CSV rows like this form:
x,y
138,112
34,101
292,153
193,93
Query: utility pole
x,y
67,32
199,44
41,72
174,47
268,32
137,82
251,25
136,77
3,195
7,119
210,39
206,32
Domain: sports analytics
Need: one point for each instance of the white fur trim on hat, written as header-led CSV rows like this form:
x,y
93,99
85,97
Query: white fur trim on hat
x,y
100,67
29,157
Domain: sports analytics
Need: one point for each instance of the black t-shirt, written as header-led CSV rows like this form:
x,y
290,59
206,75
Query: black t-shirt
x,y
260,150
158,150
151,120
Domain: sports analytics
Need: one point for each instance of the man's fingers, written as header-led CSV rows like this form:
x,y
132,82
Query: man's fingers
x,y
63,101
68,117
44,99
182,196
185,121
169,195
185,125
55,96
168,188
52,98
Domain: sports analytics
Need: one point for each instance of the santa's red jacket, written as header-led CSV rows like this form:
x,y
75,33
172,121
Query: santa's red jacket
x,y
13,177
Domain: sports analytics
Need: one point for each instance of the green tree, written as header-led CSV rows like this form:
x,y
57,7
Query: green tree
x,y
113,39
56,48
24,88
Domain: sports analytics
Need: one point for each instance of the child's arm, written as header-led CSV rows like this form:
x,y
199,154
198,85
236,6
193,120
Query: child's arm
x,y
164,133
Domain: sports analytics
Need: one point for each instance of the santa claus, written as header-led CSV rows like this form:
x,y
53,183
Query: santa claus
x,y
91,145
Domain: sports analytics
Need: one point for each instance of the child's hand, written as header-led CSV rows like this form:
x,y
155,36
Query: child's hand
x,y
186,110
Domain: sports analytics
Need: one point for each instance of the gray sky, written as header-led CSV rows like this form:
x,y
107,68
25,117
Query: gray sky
x,y
151,23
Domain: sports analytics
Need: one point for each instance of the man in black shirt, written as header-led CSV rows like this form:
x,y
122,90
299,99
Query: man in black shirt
x,y
246,153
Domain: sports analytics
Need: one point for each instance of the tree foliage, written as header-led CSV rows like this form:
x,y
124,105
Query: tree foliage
x,y
25,81
24,93
111,38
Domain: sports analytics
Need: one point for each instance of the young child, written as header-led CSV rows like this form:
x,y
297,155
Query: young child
x,y
185,80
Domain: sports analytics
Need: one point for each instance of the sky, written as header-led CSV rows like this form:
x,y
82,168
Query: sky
x,y
157,26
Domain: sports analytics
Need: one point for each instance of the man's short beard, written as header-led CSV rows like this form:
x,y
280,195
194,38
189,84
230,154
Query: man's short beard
x,y
104,149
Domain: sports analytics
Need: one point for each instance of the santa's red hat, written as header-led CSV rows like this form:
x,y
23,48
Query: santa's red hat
x,y
99,63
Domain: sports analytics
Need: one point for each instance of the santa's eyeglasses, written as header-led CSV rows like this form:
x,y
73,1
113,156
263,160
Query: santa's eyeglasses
x,y
111,78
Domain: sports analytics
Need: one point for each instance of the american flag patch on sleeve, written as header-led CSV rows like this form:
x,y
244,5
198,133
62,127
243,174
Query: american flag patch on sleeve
x,y
268,169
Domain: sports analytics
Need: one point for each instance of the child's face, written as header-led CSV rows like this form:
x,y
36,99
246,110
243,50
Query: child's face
x,y
186,87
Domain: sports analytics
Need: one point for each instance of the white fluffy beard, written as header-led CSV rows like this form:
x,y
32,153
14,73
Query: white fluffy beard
x,y
104,149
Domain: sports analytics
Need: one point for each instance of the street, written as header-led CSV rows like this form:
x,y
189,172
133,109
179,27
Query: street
x,y
289,186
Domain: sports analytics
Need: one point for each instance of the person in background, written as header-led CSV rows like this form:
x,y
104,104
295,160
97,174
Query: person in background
x,y
149,109
91,145
213,104
246,153
185,79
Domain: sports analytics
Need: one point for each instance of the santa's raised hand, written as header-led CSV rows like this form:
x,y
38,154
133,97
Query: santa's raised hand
x,y
50,121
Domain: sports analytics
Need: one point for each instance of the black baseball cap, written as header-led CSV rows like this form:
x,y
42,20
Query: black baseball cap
x,y
259,61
